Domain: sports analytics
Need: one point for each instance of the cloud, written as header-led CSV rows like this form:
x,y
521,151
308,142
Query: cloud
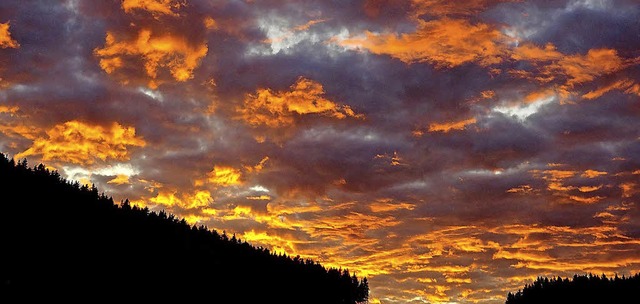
x,y
448,8
160,7
155,51
625,85
120,179
284,108
448,150
573,69
168,198
5,37
444,42
225,176
82,143
446,127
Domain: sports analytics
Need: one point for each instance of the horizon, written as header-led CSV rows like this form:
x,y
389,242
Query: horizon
x,y
451,152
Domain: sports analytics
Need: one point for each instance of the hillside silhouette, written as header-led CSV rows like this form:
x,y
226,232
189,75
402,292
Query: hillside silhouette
x,y
581,289
64,241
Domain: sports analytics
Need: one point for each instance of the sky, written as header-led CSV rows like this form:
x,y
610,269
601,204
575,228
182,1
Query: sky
x,y
450,151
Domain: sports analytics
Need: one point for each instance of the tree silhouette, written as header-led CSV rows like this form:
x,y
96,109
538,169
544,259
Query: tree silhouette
x,y
64,241
581,289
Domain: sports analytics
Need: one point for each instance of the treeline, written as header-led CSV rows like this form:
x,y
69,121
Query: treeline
x,y
581,289
64,241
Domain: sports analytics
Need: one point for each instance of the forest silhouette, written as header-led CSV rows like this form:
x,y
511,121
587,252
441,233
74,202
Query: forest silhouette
x,y
66,241
581,289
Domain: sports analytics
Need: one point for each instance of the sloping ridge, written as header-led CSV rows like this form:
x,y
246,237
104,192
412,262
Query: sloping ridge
x,y
63,241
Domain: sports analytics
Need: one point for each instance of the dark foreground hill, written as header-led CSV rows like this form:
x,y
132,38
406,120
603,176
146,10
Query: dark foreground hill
x,y
63,241
583,289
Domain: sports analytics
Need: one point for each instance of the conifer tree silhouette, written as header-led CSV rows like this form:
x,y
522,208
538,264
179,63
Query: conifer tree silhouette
x,y
581,289
64,241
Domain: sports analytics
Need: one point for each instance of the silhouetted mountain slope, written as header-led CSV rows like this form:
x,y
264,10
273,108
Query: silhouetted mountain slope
x,y
66,242
581,289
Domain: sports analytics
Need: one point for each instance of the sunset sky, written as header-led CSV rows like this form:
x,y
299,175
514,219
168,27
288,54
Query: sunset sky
x,y
450,151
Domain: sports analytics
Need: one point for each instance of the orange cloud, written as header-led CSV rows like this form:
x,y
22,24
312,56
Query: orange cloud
x,y
558,174
258,167
589,188
523,189
278,109
593,173
386,205
278,244
625,85
629,189
163,7
488,94
309,24
82,143
5,37
120,179
225,176
449,8
576,68
531,52
14,130
586,200
446,127
259,198
198,199
210,23
163,51
539,95
9,110
584,68
443,42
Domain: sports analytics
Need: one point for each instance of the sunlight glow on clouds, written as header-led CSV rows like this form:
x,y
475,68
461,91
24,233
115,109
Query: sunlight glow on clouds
x,y
443,42
5,37
174,53
451,151
225,176
446,127
81,143
154,6
279,109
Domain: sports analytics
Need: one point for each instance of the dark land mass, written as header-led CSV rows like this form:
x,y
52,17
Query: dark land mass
x,y
63,241
584,289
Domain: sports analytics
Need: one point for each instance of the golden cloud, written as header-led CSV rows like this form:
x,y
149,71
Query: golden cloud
x,y
446,127
522,189
259,166
625,85
586,200
576,68
225,176
162,7
593,173
161,51
197,199
279,109
9,110
449,8
12,124
278,244
583,68
5,37
82,143
443,42
120,179
629,189
589,188
387,205
531,52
